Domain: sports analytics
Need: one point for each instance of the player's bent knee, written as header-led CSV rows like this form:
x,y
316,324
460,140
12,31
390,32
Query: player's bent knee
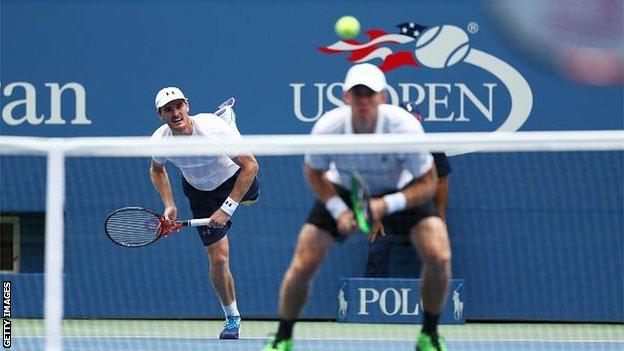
x,y
306,263
304,269
431,239
437,257
218,262
218,259
438,254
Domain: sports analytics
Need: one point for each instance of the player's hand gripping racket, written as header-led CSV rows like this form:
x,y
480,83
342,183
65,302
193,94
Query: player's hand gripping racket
x,y
137,226
360,197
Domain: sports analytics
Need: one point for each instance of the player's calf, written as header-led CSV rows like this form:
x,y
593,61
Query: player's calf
x,y
431,240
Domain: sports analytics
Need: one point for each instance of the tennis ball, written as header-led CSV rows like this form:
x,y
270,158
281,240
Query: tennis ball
x,y
442,46
347,27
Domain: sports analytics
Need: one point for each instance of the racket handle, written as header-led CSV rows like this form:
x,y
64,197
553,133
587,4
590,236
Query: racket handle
x,y
198,222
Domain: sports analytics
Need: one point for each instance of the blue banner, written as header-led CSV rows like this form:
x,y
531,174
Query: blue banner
x,y
66,71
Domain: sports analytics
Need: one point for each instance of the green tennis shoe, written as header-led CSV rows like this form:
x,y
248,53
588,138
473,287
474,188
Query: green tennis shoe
x,y
284,345
427,342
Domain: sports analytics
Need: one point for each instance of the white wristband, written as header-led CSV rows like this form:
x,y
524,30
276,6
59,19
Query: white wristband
x,y
229,206
395,202
336,206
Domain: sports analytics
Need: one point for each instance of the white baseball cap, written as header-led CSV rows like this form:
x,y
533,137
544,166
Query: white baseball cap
x,y
168,94
365,74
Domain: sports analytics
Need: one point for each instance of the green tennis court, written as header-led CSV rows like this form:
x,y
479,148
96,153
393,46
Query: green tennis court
x,y
201,335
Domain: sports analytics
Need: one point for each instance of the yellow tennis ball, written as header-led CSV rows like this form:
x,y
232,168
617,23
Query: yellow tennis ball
x,y
347,27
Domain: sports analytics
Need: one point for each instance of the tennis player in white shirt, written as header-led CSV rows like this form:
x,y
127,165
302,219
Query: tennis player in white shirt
x,y
405,211
214,186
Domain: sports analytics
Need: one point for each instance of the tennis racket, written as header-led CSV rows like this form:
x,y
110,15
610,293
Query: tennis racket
x,y
360,198
138,226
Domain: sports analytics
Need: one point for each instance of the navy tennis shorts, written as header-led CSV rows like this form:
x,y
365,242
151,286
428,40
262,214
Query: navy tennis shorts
x,y
399,223
205,203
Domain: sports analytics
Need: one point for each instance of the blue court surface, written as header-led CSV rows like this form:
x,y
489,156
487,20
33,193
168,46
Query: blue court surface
x,y
154,335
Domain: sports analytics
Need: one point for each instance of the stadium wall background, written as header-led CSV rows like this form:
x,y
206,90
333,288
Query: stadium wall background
x,y
509,215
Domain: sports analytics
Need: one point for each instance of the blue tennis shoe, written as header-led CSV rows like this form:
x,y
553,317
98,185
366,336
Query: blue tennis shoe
x,y
231,328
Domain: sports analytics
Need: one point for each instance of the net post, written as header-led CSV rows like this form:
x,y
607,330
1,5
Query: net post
x,y
54,233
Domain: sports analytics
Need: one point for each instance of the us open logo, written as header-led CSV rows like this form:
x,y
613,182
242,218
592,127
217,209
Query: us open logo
x,y
435,48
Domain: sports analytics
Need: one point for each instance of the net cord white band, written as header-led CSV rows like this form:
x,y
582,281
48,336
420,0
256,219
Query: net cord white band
x,y
279,145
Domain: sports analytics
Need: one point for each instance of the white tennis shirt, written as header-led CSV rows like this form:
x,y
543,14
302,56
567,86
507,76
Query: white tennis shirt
x,y
203,172
381,171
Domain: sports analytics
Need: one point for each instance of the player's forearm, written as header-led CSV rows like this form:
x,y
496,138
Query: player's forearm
x,y
321,186
248,172
422,189
442,196
418,192
160,179
325,191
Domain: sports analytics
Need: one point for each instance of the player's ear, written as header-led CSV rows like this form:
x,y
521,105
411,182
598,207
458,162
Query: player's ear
x,y
384,97
346,96
159,113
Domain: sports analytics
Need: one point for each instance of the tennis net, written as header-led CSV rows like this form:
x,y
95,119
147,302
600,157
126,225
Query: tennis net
x,y
535,221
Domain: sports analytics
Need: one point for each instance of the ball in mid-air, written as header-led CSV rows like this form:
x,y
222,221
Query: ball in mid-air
x,y
347,27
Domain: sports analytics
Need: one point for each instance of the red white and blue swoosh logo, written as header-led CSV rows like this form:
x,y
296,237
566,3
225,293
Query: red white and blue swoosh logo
x,y
378,47
437,47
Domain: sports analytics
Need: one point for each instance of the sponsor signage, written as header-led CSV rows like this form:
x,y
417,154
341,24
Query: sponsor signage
x,y
373,300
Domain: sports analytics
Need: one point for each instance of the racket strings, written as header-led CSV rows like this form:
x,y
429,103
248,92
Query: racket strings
x,y
133,227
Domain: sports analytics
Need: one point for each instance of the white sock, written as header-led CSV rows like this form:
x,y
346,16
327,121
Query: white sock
x,y
231,310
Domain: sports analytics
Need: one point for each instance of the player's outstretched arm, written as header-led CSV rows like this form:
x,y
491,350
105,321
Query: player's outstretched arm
x,y
160,179
249,168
